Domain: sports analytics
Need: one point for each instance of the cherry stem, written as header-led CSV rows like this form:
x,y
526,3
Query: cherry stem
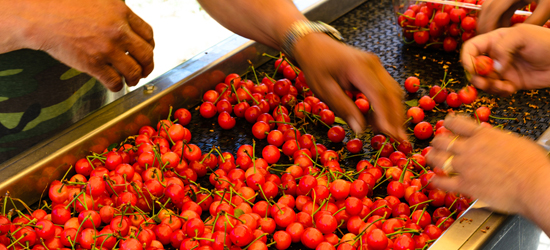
x,y
209,194
227,219
402,232
207,155
24,225
282,122
265,197
421,215
220,96
241,221
364,230
271,244
68,170
369,214
420,203
16,241
503,118
211,240
254,71
381,182
405,168
108,181
74,199
449,216
339,210
235,91
244,199
254,99
259,237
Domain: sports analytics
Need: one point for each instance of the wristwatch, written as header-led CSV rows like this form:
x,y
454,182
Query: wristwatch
x,y
301,28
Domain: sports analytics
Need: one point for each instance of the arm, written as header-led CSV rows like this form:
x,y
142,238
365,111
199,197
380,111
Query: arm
x,y
330,67
92,36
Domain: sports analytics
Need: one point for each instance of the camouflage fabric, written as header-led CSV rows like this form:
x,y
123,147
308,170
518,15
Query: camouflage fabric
x,y
39,96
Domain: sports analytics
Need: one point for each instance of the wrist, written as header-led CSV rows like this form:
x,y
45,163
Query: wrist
x,y
533,194
301,29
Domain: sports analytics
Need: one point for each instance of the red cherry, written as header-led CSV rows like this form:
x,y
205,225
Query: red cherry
x,y
467,94
354,146
412,84
453,100
468,23
423,130
416,114
483,65
426,103
336,134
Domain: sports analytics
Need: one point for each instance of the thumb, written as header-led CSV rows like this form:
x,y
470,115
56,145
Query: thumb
x,y
504,51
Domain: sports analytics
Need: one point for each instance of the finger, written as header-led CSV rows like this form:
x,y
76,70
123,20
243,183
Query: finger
x,y
384,94
506,17
541,14
448,184
503,88
461,125
127,67
141,51
504,50
490,14
327,89
108,76
141,28
452,144
436,158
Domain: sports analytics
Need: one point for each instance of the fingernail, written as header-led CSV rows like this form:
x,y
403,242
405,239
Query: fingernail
x,y
497,66
354,125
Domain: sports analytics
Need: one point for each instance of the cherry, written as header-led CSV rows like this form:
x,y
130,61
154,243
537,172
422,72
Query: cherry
x,y
416,114
467,94
208,110
449,44
183,115
483,65
241,235
327,116
312,237
363,105
457,15
340,189
282,87
282,239
280,65
423,130
453,100
232,79
336,134
468,23
454,30
421,37
412,84
426,103
354,146
482,114
210,96
442,19
421,19
240,109
404,242
467,35
260,129
284,216
326,223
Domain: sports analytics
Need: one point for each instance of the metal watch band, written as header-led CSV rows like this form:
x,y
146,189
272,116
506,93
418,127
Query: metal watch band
x,y
300,29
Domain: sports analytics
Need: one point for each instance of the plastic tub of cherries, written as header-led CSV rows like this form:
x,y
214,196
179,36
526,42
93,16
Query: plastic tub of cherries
x,y
443,24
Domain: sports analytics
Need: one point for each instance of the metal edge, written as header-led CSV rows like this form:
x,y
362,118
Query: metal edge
x,y
28,174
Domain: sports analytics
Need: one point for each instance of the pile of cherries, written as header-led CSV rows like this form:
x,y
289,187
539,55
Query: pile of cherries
x,y
144,193
446,26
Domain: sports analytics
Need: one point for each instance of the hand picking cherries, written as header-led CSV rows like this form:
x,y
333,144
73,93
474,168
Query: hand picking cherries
x,y
145,192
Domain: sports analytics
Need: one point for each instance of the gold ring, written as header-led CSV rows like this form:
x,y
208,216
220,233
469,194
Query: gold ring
x,y
447,166
451,144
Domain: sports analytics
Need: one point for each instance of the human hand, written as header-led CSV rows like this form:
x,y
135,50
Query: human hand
x,y
521,54
332,67
498,167
102,38
498,13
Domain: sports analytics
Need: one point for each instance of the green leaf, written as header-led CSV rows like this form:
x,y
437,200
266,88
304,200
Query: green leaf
x,y
412,103
112,146
10,72
238,212
339,120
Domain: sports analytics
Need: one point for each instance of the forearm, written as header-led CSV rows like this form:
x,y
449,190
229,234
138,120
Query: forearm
x,y
13,25
536,202
265,21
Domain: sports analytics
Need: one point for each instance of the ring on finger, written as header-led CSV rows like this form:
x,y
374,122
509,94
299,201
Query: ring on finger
x,y
451,144
447,165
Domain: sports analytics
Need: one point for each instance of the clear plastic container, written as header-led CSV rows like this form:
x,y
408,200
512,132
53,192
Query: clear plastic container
x,y
441,25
